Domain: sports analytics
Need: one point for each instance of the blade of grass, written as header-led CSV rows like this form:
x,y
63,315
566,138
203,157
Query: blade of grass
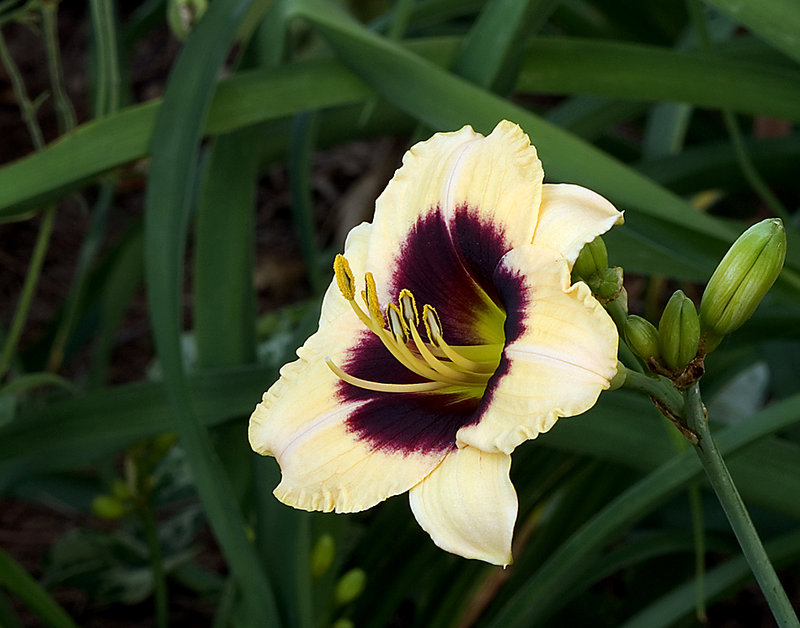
x,y
224,297
259,95
176,139
777,21
728,576
109,295
450,102
494,43
32,594
301,149
641,72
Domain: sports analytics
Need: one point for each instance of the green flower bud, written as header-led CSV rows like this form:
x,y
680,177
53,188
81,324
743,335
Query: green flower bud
x,y
642,337
322,555
678,331
742,278
344,623
592,258
108,507
606,283
350,586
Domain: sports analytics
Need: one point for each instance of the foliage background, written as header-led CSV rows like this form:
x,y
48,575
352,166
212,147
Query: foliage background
x,y
208,217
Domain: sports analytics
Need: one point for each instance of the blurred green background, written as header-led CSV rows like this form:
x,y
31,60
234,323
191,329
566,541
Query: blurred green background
x,y
170,209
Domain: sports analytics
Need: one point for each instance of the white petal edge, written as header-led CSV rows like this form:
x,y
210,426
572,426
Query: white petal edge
x,y
570,216
468,505
302,422
498,176
564,359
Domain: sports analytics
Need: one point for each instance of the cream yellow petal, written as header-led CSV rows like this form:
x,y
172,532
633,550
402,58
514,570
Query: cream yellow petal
x,y
355,250
468,505
570,216
302,422
557,367
497,177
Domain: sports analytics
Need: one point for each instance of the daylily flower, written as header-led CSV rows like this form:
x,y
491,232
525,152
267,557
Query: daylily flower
x,y
450,334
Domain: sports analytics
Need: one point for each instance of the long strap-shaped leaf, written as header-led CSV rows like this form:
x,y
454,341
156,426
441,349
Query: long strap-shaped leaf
x,y
19,581
173,173
776,21
445,101
249,97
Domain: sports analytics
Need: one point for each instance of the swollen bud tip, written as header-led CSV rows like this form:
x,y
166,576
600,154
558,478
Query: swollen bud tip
x,y
743,277
592,258
642,337
678,332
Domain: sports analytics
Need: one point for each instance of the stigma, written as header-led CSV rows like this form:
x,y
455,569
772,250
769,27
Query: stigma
x,y
437,363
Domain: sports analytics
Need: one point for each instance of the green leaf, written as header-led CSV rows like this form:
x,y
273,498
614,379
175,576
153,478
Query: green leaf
x,y
669,609
777,22
176,139
31,593
450,102
224,294
537,598
639,72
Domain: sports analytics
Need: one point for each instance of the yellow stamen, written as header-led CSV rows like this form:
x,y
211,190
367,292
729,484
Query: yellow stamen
x,y
438,362
344,277
380,386
371,299
433,325
408,308
396,324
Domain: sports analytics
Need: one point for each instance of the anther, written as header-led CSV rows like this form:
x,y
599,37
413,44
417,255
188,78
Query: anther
x,y
408,308
344,277
433,324
396,324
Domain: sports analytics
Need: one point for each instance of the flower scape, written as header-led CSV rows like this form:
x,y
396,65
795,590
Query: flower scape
x,y
450,334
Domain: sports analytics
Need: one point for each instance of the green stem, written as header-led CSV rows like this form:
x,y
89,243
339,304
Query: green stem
x,y
64,110
658,387
26,105
156,564
736,511
696,505
28,288
28,109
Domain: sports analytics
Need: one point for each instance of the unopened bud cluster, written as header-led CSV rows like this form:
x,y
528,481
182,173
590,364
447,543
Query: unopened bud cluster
x,y
673,346
592,268
677,346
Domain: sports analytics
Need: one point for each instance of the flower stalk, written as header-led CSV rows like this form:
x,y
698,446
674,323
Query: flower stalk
x,y
736,512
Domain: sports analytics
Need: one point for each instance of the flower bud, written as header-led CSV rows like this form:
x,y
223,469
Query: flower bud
x,y
606,283
592,258
322,555
350,586
743,277
108,507
678,331
642,337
